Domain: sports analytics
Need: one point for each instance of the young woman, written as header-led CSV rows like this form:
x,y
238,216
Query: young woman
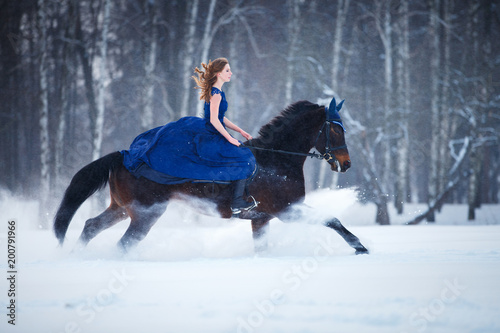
x,y
210,80
195,148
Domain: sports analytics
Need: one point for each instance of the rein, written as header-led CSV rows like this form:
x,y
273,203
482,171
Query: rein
x,y
315,155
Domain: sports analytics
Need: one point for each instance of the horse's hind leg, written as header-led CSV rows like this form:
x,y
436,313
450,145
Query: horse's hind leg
x,y
351,239
112,215
259,230
142,220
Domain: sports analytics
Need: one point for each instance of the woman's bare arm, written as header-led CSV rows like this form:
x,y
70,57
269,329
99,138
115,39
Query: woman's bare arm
x,y
214,119
234,127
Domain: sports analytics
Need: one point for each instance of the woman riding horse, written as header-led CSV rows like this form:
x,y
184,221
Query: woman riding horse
x,y
280,152
195,148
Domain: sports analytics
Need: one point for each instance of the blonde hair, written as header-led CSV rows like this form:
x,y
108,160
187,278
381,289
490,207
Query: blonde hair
x,y
207,76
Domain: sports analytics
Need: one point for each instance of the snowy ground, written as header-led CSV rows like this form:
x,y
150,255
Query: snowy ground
x,y
198,274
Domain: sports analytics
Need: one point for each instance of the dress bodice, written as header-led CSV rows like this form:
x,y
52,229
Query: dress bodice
x,y
222,107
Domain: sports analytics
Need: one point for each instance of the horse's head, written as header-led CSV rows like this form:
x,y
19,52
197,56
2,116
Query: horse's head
x,y
331,141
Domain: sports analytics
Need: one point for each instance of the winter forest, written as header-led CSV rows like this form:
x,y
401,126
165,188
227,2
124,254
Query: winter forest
x,y
421,80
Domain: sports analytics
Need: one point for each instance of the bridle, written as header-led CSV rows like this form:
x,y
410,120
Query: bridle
x,y
332,117
327,155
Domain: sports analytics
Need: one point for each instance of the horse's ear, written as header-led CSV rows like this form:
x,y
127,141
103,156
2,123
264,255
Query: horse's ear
x,y
340,105
333,104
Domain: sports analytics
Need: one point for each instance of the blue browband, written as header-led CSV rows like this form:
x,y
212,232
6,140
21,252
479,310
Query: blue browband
x,y
332,113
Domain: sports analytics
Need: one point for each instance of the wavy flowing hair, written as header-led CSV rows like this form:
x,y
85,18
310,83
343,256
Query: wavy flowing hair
x,y
207,76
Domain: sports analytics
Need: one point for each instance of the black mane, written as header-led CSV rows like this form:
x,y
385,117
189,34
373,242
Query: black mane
x,y
297,120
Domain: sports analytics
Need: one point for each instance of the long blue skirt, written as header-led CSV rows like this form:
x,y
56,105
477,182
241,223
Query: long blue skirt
x,y
189,149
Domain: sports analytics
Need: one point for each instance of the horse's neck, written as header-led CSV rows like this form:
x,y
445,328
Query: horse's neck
x,y
297,135
301,134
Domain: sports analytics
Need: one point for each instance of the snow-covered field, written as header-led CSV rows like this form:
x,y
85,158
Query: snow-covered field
x,y
199,274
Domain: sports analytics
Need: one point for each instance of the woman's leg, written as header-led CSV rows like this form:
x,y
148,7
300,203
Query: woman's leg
x,y
239,204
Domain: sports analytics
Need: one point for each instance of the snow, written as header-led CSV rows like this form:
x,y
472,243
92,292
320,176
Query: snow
x,y
199,274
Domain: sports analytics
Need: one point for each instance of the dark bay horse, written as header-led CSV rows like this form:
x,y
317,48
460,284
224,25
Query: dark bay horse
x,y
280,150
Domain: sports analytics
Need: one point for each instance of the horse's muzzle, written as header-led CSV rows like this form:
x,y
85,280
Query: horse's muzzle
x,y
346,165
337,166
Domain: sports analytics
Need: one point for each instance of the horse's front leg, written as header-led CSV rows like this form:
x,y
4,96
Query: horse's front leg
x,y
260,224
349,237
259,233
301,212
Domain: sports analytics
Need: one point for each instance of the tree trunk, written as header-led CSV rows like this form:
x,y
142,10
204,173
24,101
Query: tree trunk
x,y
67,86
383,23
370,175
187,59
61,124
476,150
435,163
150,21
99,119
12,126
403,98
342,9
208,33
492,171
389,115
206,41
382,216
44,208
473,198
445,124
87,69
293,29
238,112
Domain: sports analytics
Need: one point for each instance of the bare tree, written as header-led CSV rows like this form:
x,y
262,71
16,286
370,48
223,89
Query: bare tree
x,y
340,19
381,178
85,54
445,108
435,162
151,45
209,32
340,25
99,116
43,117
383,22
403,106
12,129
476,149
293,30
187,60
213,24
68,78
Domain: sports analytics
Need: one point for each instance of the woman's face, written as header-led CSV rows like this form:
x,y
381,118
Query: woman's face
x,y
226,73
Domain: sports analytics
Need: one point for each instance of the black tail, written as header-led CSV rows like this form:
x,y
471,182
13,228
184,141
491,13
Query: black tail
x,y
86,182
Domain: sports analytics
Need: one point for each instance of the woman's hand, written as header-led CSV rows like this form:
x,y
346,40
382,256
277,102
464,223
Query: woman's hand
x,y
234,141
246,135
232,126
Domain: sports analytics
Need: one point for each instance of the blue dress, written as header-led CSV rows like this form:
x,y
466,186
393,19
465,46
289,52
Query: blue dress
x,y
189,149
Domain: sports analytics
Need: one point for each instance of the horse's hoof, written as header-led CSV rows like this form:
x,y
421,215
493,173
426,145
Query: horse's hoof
x,y
362,251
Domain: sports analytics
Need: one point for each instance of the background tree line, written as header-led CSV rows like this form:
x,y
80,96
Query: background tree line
x,y
79,79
